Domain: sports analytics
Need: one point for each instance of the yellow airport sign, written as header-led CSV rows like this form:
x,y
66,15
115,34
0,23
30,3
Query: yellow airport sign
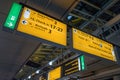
x,y
92,45
42,26
70,67
54,74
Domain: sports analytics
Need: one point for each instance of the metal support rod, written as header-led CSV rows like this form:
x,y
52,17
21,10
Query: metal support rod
x,y
103,9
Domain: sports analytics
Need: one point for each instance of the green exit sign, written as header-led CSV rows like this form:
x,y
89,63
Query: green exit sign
x,y
13,16
81,61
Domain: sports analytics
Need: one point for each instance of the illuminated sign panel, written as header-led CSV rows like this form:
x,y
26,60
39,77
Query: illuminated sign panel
x,y
70,67
92,45
81,62
42,26
13,16
54,74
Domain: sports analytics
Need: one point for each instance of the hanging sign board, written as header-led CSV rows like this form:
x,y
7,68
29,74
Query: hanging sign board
x,y
42,26
54,74
92,45
70,67
74,65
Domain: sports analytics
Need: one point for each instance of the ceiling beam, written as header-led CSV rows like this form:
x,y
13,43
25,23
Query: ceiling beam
x,y
107,25
84,13
80,17
102,10
98,8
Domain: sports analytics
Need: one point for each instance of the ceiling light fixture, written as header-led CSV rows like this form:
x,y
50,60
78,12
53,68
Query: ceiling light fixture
x,y
51,63
29,77
69,17
37,72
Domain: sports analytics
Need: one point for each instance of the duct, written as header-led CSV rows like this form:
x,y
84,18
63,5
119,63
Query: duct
x,y
107,25
103,9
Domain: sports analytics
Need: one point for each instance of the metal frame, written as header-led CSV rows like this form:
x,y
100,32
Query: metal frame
x,y
103,9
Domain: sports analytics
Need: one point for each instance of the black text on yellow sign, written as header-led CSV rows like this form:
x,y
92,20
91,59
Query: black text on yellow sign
x,y
70,67
54,74
42,26
92,45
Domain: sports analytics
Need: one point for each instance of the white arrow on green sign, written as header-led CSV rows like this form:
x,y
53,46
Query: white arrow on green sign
x,y
13,16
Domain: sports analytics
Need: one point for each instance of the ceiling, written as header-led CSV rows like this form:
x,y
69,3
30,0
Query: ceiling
x,y
21,56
